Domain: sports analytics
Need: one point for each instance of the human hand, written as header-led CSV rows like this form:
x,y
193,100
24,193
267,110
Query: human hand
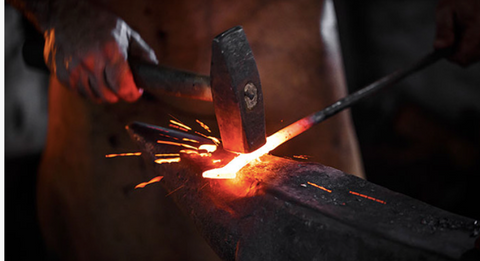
x,y
458,27
87,49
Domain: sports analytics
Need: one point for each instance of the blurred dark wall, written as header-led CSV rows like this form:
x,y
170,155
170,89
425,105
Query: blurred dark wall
x,y
421,137
25,130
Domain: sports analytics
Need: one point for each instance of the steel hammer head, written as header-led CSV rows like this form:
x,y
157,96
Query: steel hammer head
x,y
237,92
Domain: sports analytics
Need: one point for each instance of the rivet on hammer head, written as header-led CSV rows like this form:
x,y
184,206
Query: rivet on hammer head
x,y
250,92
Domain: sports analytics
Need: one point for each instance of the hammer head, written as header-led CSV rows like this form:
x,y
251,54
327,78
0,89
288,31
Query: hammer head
x,y
237,92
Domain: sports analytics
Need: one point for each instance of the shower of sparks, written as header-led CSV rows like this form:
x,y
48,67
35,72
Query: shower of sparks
x,y
204,126
123,154
180,124
167,160
367,197
230,170
154,180
320,187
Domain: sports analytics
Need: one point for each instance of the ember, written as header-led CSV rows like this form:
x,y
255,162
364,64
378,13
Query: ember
x,y
318,186
180,125
367,197
167,160
123,154
154,180
204,126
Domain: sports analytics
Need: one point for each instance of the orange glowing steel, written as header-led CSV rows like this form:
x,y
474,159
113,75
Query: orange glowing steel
x,y
320,187
367,197
154,180
176,144
185,139
180,124
123,154
216,161
167,160
204,126
230,170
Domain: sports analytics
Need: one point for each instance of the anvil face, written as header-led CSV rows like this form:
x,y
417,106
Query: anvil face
x,y
280,209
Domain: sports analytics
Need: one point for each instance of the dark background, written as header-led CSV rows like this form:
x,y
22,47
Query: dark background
x,y
420,138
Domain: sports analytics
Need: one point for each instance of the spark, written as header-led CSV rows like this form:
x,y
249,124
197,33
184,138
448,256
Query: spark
x,y
176,144
185,139
167,160
208,147
178,127
305,157
123,154
320,187
180,124
175,190
367,197
196,152
168,155
214,139
168,136
154,180
204,126
216,161
230,170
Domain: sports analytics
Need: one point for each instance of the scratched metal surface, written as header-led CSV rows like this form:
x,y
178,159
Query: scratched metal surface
x,y
281,209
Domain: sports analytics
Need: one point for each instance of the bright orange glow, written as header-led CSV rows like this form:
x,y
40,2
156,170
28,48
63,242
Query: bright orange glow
x,y
180,125
320,187
230,170
367,197
123,154
208,147
217,161
176,144
167,160
204,126
185,139
154,180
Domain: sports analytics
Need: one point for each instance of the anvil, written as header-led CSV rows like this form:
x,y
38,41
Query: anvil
x,y
281,209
